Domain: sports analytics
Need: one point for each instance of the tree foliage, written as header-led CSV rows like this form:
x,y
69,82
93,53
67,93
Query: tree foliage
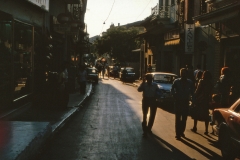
x,y
119,43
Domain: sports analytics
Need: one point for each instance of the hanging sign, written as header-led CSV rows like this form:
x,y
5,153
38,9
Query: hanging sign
x,y
44,4
189,38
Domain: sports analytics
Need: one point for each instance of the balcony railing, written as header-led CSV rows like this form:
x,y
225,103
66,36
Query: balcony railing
x,y
165,12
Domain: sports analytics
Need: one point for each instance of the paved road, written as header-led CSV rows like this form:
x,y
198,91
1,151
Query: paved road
x,y
108,127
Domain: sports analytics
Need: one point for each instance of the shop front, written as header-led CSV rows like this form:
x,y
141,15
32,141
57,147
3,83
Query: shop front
x,y
18,37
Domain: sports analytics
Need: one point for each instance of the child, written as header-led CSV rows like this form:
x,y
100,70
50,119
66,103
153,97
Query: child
x,y
216,103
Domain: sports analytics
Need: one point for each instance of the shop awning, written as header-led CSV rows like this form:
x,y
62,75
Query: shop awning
x,y
219,15
172,42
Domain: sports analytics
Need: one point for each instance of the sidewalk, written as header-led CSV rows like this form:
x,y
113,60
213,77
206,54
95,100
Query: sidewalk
x,y
24,131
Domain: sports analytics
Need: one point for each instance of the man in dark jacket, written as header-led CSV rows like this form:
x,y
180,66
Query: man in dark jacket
x,y
149,90
182,89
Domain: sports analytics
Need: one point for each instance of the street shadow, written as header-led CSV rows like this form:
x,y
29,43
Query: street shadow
x,y
153,147
213,141
201,149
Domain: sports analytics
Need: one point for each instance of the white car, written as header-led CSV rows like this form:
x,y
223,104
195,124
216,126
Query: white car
x,y
164,81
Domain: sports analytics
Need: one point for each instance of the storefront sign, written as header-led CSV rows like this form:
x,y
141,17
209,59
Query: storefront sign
x,y
189,38
44,4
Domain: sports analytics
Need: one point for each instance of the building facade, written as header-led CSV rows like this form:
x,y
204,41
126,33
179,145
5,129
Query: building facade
x,y
27,41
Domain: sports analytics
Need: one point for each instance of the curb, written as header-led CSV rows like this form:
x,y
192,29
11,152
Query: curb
x,y
58,125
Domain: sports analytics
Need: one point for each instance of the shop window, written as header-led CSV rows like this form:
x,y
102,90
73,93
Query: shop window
x,y
5,62
23,46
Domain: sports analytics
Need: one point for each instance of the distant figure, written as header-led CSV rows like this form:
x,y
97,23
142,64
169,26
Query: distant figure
x,y
181,90
82,79
149,68
224,86
149,90
198,77
124,74
99,68
62,85
103,70
108,70
190,74
198,69
216,103
115,71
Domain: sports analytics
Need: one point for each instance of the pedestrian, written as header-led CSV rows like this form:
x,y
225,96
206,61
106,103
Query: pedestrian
x,y
149,90
190,73
198,69
182,89
149,68
82,79
224,86
103,69
198,77
99,68
108,70
124,75
216,103
62,85
203,98
115,71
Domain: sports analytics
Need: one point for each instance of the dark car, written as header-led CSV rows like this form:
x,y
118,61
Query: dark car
x,y
130,76
226,124
164,81
92,74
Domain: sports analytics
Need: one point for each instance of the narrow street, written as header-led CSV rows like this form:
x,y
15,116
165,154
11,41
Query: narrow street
x,y
108,127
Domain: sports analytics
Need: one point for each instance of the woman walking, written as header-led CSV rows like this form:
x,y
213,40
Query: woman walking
x,y
203,94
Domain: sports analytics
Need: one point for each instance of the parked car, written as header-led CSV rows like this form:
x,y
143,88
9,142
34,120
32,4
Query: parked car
x,y
164,81
130,76
92,74
226,124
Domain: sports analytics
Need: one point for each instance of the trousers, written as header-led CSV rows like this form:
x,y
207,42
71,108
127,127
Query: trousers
x,y
181,113
148,102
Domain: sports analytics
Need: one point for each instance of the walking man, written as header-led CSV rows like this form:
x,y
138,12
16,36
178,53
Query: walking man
x,y
182,89
149,90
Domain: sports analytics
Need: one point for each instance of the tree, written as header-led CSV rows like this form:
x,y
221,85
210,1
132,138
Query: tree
x,y
119,43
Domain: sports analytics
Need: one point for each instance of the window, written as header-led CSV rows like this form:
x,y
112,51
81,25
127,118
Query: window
x,y
6,90
23,46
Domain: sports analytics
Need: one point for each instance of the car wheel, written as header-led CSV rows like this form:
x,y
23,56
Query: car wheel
x,y
225,145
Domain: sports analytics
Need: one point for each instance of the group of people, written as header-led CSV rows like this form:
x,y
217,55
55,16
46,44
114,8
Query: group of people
x,y
102,67
187,91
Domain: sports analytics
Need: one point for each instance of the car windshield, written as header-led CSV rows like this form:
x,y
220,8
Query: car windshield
x,y
91,71
164,78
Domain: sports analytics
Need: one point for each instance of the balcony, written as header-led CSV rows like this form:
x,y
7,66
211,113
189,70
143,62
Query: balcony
x,y
165,12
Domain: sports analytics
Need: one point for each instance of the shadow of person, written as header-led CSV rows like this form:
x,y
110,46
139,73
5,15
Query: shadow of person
x,y
201,149
154,147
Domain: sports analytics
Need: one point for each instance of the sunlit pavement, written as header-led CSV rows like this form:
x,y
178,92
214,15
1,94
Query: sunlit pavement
x,y
109,127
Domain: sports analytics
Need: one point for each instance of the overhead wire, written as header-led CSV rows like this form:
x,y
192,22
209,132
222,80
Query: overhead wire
x,y
108,15
143,10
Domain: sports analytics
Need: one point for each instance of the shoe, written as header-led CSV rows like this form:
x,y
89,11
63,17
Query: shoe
x,y
178,137
194,129
182,135
206,133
